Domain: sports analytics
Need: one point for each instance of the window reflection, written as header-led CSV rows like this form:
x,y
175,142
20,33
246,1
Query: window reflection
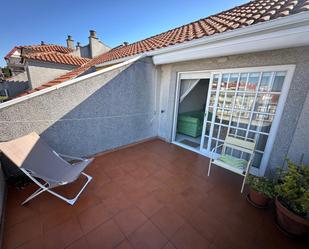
x,y
278,81
265,82
253,81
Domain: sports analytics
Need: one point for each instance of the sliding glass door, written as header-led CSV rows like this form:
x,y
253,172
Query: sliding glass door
x,y
243,103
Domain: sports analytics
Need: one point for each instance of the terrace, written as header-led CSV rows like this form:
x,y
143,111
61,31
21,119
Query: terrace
x,y
150,195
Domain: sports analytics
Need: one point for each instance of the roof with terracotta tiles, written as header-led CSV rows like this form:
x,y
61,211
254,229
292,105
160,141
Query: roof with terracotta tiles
x,y
56,57
41,48
238,17
48,48
241,16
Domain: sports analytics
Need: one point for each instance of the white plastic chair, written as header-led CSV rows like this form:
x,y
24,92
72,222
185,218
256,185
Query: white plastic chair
x,y
38,161
231,163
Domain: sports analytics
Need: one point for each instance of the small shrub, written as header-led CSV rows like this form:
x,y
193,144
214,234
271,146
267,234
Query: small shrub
x,y
262,185
292,189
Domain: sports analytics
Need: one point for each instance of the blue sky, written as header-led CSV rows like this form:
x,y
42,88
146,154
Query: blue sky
x,y
29,22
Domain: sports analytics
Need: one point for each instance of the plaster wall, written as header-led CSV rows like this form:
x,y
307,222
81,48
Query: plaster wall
x,y
103,112
43,72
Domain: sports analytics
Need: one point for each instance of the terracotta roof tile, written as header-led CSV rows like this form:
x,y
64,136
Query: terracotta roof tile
x,y
48,48
238,17
241,16
57,57
41,48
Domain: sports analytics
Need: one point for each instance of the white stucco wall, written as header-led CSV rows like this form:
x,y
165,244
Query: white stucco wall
x,y
43,72
300,142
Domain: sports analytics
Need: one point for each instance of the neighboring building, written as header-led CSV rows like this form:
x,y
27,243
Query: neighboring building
x,y
94,48
34,65
245,69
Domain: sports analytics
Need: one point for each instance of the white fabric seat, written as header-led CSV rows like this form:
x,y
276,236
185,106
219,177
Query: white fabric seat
x,y
37,160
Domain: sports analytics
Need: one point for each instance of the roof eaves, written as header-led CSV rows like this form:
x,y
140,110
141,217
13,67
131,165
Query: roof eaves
x,y
274,24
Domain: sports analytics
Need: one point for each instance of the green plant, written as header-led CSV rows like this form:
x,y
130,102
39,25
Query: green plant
x,y
262,185
7,72
292,188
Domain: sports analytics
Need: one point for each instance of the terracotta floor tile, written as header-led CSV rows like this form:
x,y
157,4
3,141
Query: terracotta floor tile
x,y
99,179
147,192
186,237
114,172
216,205
169,245
63,235
118,203
167,221
36,243
149,205
93,217
52,219
136,195
109,190
105,236
164,195
139,173
86,200
147,237
129,166
151,184
206,224
18,214
150,166
49,204
79,244
129,220
125,244
125,180
22,232
182,207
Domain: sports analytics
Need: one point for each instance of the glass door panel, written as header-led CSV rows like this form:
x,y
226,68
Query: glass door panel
x,y
244,104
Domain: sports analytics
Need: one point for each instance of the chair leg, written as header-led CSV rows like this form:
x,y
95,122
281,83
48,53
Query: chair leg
x,y
243,185
245,178
209,167
70,201
35,194
73,200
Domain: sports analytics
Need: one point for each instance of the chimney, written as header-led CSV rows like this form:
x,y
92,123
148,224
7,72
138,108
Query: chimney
x,y
70,42
77,44
42,43
93,34
96,47
125,44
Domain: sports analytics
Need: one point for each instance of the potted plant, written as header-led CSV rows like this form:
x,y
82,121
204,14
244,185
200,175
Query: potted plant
x,y
260,191
292,200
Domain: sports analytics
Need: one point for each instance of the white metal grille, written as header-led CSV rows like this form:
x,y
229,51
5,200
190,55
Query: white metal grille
x,y
244,104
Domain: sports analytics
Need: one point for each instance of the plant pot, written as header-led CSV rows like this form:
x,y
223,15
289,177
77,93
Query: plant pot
x,y
258,199
290,222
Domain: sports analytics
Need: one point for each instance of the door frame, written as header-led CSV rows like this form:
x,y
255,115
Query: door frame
x,y
185,76
289,68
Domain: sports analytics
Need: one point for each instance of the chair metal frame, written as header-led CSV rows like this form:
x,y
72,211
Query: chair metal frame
x,y
238,144
47,187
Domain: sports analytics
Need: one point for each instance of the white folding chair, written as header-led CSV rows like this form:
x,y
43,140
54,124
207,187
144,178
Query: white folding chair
x,y
40,163
233,163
